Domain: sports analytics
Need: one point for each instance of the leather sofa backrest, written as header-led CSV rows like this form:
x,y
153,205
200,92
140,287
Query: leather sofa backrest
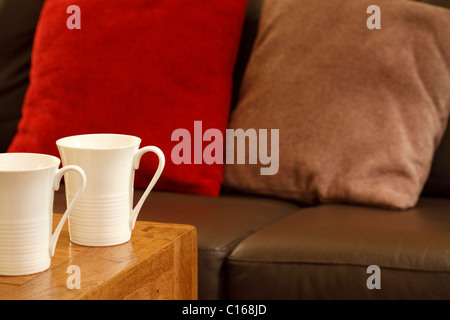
x,y
249,32
18,20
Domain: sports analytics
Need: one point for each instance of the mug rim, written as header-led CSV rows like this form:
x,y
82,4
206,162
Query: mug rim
x,y
56,160
63,142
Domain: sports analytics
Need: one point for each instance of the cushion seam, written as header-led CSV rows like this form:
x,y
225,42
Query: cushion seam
x,y
336,264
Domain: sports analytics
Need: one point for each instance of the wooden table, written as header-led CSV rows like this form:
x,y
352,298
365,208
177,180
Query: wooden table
x,y
159,262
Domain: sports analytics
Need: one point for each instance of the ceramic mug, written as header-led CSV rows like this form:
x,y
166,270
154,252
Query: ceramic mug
x,y
104,214
27,185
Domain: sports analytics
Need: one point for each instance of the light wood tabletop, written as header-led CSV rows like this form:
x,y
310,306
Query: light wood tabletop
x,y
159,262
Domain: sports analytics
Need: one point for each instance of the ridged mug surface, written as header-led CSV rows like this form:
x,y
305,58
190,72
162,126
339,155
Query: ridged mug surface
x,y
104,214
24,247
27,185
101,222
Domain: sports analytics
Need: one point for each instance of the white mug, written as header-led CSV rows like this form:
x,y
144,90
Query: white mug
x,y
104,214
27,185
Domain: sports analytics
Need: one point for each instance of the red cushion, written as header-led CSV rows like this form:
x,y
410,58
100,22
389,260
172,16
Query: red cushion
x,y
141,67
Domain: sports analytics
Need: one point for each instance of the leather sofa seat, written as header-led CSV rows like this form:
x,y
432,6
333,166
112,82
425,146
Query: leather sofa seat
x,y
221,224
323,252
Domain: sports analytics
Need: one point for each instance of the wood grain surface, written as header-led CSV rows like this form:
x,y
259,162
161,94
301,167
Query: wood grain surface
x,y
159,262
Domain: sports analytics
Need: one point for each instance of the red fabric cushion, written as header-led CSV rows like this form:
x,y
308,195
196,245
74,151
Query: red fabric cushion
x,y
138,67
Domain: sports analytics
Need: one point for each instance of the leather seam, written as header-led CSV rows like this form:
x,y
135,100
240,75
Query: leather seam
x,y
337,264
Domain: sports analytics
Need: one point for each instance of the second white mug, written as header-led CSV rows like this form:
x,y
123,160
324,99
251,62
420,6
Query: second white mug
x,y
27,185
104,214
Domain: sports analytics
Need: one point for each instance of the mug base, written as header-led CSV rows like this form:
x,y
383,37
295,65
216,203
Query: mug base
x,y
17,272
85,243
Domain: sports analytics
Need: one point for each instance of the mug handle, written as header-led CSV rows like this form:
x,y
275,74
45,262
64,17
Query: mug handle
x,y
137,159
56,184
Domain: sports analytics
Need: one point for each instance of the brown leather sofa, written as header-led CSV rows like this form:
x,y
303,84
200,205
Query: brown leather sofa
x,y
252,247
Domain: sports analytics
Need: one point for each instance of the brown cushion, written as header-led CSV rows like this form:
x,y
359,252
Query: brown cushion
x,y
323,252
360,111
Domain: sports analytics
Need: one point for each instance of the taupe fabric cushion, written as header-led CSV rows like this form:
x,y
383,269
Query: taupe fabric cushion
x,y
360,111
